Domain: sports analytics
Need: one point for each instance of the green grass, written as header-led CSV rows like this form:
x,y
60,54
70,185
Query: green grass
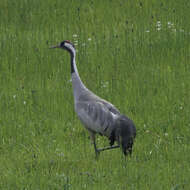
x,y
132,53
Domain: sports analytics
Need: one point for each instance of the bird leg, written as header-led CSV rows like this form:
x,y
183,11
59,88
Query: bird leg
x,y
93,138
97,151
108,148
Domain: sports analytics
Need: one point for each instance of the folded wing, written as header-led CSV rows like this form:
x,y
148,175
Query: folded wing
x,y
96,116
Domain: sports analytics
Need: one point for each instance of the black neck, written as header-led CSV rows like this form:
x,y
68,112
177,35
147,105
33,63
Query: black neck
x,y
72,63
72,60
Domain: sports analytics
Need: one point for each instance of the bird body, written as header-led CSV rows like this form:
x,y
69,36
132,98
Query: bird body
x,y
96,114
96,117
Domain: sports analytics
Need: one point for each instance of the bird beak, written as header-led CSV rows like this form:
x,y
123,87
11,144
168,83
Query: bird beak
x,y
57,46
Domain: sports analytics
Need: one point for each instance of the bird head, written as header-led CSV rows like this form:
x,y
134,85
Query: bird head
x,y
125,133
67,45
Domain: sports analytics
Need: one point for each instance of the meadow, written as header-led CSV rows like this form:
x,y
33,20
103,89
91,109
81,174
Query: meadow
x,y
135,54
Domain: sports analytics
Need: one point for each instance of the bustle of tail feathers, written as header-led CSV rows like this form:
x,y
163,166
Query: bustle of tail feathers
x,y
124,133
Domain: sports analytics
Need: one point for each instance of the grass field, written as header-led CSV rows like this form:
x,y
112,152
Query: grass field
x,y
135,54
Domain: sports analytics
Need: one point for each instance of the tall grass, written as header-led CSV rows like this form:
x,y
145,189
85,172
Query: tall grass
x,y
132,53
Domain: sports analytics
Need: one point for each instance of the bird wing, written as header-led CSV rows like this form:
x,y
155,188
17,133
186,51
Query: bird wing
x,y
110,106
96,116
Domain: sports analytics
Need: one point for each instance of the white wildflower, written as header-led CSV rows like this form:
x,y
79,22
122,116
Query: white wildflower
x,y
158,25
75,35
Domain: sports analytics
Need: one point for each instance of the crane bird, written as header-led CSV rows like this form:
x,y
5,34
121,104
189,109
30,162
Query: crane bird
x,y
98,115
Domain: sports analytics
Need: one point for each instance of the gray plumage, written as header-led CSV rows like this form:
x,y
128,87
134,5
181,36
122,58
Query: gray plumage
x,y
98,115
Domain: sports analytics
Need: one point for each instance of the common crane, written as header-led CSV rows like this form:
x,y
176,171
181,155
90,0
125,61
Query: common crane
x,y
98,115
